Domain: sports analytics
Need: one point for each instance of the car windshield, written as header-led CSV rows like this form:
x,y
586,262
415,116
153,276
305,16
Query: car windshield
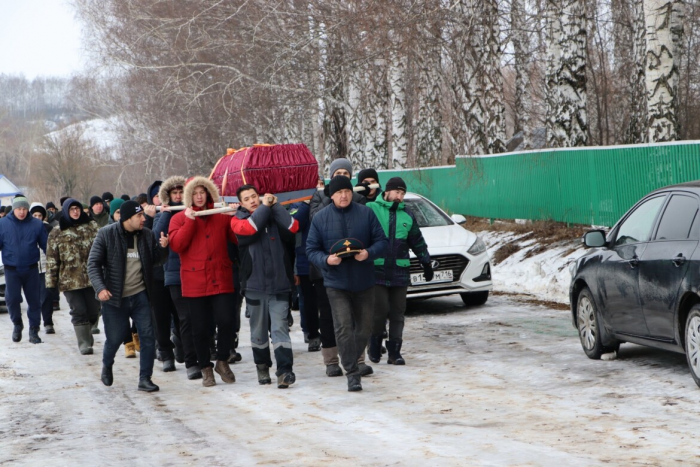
x,y
426,214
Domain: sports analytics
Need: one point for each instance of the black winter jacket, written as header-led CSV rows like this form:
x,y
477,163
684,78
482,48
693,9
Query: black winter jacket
x,y
107,260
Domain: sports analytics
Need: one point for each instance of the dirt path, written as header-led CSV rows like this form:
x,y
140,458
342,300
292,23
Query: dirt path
x,y
504,384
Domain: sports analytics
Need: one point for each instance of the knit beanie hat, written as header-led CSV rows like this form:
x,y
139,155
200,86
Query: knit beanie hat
x,y
63,200
367,173
125,197
50,205
129,209
114,206
395,183
95,200
20,202
339,183
107,196
341,163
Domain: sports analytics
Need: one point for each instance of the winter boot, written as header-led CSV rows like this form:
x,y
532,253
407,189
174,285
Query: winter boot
x,y
17,332
48,329
208,377
263,373
137,342
107,377
354,383
330,359
84,336
194,372
315,344
168,361
394,349
145,384
129,351
56,305
34,335
179,352
375,349
234,357
96,326
224,371
285,380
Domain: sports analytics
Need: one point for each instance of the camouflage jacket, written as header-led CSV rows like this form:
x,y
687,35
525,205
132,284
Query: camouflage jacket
x,y
67,254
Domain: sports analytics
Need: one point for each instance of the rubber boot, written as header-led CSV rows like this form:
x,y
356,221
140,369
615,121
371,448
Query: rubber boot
x,y
330,359
96,327
394,350
83,332
375,348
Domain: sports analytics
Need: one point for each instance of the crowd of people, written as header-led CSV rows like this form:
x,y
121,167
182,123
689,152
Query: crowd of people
x,y
168,280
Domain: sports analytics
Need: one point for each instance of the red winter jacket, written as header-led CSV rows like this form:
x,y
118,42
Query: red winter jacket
x,y
202,243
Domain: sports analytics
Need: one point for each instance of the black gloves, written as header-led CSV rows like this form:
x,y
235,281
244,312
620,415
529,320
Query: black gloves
x,y
428,272
366,189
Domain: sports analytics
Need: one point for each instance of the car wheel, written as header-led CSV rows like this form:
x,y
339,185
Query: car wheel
x,y
589,327
692,342
474,298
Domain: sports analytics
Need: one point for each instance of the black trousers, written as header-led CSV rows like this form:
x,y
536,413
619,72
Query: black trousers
x,y
204,310
238,302
183,313
325,315
310,307
164,313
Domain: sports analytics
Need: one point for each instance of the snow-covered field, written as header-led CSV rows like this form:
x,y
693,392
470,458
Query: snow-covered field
x,y
502,384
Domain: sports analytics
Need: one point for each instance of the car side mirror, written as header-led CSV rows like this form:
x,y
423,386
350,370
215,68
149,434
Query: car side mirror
x,y
458,218
594,239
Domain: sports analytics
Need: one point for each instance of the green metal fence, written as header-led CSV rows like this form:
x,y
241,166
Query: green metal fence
x,y
582,186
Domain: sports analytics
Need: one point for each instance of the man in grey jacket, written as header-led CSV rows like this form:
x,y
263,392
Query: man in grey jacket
x,y
265,232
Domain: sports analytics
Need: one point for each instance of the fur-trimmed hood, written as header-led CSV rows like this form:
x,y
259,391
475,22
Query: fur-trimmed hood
x,y
207,184
169,184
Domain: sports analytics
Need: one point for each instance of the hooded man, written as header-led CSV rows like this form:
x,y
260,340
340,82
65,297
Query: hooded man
x,y
67,257
37,211
120,268
20,234
98,211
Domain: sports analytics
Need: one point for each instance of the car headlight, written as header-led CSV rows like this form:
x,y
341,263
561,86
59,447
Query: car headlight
x,y
477,248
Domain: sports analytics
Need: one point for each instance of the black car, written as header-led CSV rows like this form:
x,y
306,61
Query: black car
x,y
640,282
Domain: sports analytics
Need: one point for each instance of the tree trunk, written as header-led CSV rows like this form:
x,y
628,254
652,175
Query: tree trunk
x,y
664,31
399,142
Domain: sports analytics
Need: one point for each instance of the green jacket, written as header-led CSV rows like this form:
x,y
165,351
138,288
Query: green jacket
x,y
403,233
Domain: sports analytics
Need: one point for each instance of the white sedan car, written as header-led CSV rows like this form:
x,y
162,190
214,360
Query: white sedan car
x,y
459,257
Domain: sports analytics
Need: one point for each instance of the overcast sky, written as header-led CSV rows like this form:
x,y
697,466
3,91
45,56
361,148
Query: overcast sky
x,y
39,38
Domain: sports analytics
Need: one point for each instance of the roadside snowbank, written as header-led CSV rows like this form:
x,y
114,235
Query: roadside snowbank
x,y
535,269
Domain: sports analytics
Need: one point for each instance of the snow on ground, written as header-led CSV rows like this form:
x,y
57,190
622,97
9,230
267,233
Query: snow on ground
x,y
541,272
502,384
100,131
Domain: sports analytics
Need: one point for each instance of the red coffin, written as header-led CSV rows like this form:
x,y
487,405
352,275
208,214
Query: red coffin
x,y
278,168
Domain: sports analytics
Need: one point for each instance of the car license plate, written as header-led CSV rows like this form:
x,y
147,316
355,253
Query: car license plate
x,y
440,276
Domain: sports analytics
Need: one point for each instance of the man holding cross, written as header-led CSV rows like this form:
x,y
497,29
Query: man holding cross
x,y
344,240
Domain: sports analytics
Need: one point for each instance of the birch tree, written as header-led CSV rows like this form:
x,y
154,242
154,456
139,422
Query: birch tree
x,y
664,30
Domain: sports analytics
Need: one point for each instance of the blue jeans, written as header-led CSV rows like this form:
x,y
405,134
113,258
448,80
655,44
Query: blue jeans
x,y
116,322
16,280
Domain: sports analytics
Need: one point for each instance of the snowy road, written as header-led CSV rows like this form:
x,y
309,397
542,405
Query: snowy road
x,y
503,384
